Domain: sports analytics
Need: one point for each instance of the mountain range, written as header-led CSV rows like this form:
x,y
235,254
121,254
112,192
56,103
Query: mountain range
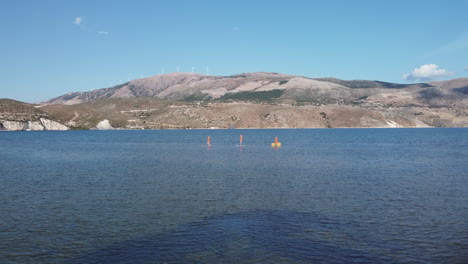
x,y
262,100
264,85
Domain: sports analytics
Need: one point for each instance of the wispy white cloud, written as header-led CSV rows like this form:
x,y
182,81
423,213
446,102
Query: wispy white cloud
x,y
103,32
427,72
78,20
235,29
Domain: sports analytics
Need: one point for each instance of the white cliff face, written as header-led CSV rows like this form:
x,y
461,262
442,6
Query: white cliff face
x,y
14,125
34,125
104,125
42,124
52,125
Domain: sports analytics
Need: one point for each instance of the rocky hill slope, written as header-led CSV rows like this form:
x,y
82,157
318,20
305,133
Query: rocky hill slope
x,y
154,113
16,115
279,88
260,100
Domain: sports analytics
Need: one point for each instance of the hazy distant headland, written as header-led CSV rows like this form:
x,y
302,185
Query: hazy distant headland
x,y
248,100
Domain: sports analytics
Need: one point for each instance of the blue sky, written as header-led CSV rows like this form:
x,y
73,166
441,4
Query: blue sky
x,y
49,48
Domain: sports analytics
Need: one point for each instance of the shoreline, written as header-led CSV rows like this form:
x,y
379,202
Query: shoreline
x,y
273,128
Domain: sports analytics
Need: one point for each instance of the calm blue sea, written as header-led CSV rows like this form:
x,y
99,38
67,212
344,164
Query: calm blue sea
x,y
325,196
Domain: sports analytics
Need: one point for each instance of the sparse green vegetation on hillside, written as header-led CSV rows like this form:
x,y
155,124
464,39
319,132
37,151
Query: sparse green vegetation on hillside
x,y
262,96
19,111
257,100
117,110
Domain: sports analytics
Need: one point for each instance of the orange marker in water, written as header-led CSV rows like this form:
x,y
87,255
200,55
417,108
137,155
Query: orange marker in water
x,y
208,141
240,139
276,144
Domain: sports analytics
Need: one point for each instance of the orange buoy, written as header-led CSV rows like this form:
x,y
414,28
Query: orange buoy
x,y
276,144
241,139
208,141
